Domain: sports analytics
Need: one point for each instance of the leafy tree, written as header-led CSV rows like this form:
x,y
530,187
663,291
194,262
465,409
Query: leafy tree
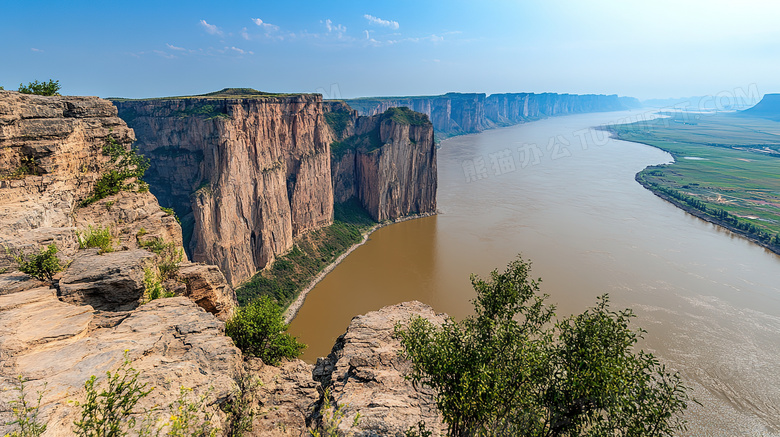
x,y
508,370
50,88
258,329
41,266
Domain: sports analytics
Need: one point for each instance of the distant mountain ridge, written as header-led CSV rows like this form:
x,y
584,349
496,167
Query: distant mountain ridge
x,y
463,113
768,107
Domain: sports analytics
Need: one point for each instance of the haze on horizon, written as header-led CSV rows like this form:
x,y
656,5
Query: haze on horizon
x,y
348,49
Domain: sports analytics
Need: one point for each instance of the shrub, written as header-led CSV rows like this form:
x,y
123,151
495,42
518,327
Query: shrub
x,y
25,414
97,236
259,330
153,288
125,169
170,257
42,266
331,418
50,88
508,370
107,413
156,245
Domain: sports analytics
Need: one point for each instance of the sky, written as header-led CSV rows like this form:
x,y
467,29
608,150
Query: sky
x,y
347,49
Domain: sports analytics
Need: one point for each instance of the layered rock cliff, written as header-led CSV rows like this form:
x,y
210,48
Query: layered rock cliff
x,y
250,174
387,162
459,113
57,334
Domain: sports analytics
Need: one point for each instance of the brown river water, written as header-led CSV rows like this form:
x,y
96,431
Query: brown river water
x,y
564,196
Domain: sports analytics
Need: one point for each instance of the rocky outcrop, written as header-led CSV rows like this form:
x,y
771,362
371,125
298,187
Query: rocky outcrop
x,y
50,157
388,163
247,175
365,375
51,154
58,346
459,113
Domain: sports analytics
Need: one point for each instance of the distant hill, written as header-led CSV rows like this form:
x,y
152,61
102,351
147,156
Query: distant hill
x,y
768,107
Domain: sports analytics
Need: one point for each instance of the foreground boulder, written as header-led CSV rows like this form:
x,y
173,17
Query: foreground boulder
x,y
366,375
58,346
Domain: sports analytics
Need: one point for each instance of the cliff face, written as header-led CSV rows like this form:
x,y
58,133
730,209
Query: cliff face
x,y
57,335
247,174
458,113
388,163
250,175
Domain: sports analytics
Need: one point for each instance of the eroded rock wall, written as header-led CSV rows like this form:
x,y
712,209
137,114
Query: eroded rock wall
x,y
388,164
459,113
247,175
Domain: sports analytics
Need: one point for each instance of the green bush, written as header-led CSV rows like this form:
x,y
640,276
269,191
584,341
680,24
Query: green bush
x,y
107,412
97,236
124,171
50,88
42,266
153,288
508,370
170,257
259,331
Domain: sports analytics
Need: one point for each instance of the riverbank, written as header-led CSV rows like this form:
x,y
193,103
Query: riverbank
x,y
295,306
706,217
724,171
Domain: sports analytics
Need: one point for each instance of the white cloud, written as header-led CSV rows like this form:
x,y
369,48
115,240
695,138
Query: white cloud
x,y
210,28
264,25
338,28
380,22
173,47
367,35
240,51
36,50
163,54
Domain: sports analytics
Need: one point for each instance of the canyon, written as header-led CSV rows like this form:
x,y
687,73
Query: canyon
x,y
464,113
96,313
250,173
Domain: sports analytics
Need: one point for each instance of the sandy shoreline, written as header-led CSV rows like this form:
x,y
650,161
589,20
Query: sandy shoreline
x,y
294,307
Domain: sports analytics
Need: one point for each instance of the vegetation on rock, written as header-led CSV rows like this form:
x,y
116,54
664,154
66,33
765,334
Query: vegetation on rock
x,y
50,88
124,171
404,115
26,415
258,329
508,370
42,266
290,273
97,236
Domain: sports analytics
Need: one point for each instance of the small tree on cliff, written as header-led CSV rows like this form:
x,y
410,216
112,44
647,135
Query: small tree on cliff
x,y
50,88
508,371
258,329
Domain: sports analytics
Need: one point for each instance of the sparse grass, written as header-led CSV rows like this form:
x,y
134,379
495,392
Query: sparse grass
x,y
404,115
290,273
97,236
171,212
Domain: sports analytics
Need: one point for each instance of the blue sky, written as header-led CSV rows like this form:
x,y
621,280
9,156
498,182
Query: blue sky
x,y
369,48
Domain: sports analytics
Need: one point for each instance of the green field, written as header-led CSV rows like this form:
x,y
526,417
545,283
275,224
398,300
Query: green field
x,y
726,169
